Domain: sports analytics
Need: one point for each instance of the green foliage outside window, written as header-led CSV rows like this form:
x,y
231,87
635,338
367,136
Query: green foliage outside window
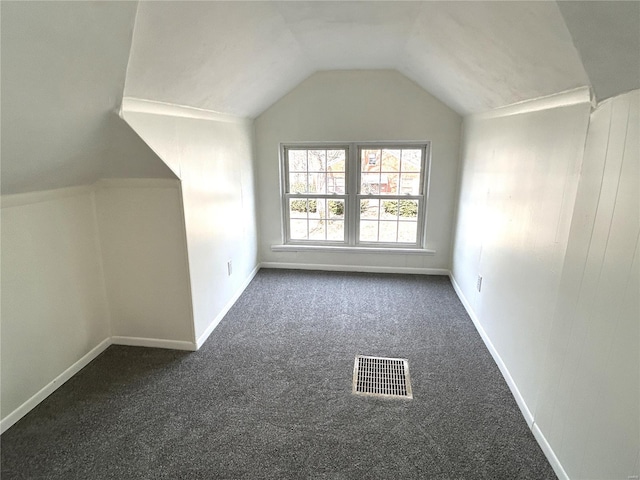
x,y
408,208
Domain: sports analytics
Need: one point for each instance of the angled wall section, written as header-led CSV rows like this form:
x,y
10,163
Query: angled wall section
x,y
143,248
213,157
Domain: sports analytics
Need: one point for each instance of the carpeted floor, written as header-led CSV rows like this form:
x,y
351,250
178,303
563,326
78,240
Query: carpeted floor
x,y
269,395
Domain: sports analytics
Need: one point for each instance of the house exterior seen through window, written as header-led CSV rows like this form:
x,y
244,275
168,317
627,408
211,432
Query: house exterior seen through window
x,y
360,195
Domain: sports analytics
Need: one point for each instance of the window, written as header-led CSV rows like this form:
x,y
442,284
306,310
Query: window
x,y
358,195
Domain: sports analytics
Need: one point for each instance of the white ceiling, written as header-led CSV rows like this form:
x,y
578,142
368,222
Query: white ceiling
x,y
240,57
65,65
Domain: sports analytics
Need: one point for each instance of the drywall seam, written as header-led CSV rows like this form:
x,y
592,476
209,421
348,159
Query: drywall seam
x,y
141,105
227,307
52,386
21,199
153,343
355,268
137,183
562,99
526,413
103,277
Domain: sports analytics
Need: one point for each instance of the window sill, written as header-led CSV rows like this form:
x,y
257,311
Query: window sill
x,y
341,249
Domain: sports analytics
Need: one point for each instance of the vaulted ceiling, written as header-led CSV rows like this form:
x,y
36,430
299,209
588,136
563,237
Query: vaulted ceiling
x,y
240,57
66,65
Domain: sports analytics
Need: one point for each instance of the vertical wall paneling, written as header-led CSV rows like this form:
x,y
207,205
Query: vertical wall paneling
x,y
589,400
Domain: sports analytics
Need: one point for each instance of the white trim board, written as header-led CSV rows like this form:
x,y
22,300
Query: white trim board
x,y
153,343
29,198
548,452
57,382
153,107
526,413
203,338
355,268
53,385
563,99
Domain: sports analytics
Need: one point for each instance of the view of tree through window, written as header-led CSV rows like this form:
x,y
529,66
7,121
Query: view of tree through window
x,y
355,194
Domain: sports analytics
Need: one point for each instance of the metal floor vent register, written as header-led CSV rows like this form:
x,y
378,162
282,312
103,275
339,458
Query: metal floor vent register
x,y
379,376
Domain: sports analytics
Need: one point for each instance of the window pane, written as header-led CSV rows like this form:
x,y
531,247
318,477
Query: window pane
x,y
335,209
390,160
317,229
301,208
336,161
336,182
298,183
298,229
389,232
297,160
369,209
408,232
410,183
317,182
370,160
411,160
335,230
370,183
389,183
317,160
389,210
368,231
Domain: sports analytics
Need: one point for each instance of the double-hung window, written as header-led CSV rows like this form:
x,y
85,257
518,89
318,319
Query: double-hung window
x,y
355,195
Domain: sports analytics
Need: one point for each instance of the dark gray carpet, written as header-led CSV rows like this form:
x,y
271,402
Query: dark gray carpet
x,y
269,395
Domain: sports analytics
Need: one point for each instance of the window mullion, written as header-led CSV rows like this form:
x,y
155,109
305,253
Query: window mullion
x,y
353,179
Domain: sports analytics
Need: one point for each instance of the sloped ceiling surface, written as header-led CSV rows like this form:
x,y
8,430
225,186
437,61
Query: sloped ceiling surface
x,y
240,57
607,35
65,65
63,72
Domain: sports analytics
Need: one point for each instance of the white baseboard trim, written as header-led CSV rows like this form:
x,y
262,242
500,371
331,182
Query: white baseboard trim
x,y
52,386
526,413
203,338
549,453
355,268
153,343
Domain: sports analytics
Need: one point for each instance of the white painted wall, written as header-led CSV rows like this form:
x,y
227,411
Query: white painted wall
x,y
359,106
54,306
144,254
588,404
213,156
555,239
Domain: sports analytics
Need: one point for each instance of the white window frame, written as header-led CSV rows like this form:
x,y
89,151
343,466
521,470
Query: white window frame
x,y
352,197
